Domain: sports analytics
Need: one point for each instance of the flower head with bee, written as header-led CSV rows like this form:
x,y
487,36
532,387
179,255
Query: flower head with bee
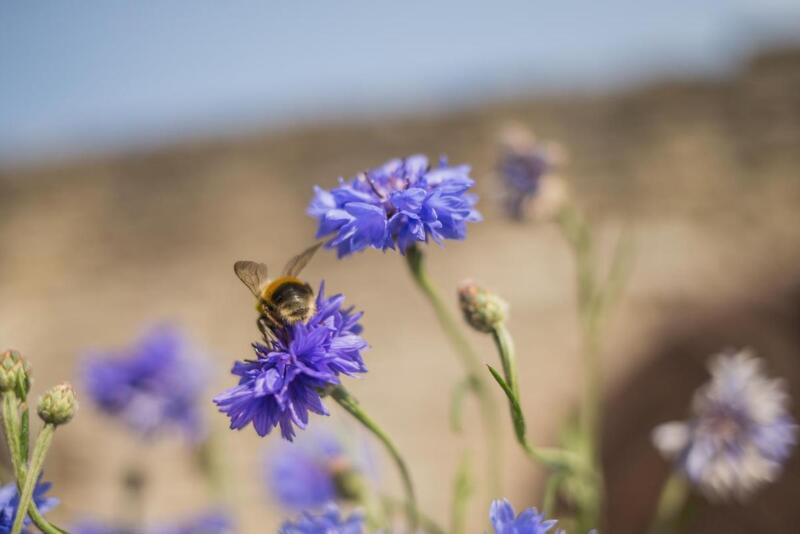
x,y
286,379
393,206
740,433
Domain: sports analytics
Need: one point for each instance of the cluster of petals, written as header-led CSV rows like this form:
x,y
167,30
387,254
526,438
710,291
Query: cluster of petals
x,y
394,206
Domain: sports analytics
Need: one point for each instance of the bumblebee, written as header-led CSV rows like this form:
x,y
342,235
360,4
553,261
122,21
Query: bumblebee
x,y
283,301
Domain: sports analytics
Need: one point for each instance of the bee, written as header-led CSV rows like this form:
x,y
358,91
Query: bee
x,y
281,302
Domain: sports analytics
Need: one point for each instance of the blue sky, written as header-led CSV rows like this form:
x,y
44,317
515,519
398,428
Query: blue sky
x,y
97,75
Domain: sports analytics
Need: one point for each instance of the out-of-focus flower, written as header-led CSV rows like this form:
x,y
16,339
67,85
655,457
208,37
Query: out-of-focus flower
x,y
402,202
505,520
528,170
312,473
9,501
214,522
482,310
284,382
154,385
328,522
740,432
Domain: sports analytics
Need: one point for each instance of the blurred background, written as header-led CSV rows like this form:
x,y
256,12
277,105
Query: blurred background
x,y
145,147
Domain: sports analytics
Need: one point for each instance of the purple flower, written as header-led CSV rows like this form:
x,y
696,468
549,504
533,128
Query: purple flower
x,y
527,168
9,501
529,521
153,385
740,433
402,202
328,522
214,522
285,380
310,474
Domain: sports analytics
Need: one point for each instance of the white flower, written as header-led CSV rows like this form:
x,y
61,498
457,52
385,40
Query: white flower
x,y
740,433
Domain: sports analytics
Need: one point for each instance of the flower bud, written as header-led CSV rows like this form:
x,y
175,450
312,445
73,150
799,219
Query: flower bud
x,y
482,310
347,480
15,374
58,405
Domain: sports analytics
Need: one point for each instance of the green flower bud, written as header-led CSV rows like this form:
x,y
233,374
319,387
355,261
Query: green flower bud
x,y
58,405
482,310
15,373
348,482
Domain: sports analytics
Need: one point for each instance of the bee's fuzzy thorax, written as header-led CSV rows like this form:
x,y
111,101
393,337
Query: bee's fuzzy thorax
x,y
269,290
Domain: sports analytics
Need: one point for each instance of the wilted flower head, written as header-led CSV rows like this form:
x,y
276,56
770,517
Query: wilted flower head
x,y
528,169
154,385
9,501
312,473
740,432
328,522
402,202
284,382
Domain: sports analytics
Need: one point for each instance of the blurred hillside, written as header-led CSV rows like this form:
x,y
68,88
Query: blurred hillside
x,y
705,172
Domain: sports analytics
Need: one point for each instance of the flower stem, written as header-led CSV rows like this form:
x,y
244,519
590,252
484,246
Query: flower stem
x,y
462,490
472,366
590,307
351,406
551,494
43,442
671,502
557,459
16,439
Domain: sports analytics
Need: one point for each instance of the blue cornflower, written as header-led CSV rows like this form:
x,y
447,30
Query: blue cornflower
x,y
740,434
154,385
328,522
214,522
402,202
312,473
9,501
505,520
527,168
285,380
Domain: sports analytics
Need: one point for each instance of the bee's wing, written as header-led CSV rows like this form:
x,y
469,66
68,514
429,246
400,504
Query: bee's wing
x,y
252,274
296,264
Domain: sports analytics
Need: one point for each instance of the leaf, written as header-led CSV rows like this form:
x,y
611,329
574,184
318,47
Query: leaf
x,y
513,404
24,435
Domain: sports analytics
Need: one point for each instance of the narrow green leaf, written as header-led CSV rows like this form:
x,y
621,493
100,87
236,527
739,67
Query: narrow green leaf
x,y
513,403
24,434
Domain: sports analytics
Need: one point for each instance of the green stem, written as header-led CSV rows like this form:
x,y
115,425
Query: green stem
x,y
551,494
671,502
11,427
590,308
557,459
351,406
16,438
427,523
462,490
43,442
471,363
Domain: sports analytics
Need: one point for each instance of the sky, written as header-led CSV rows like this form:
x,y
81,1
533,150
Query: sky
x,y
103,75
